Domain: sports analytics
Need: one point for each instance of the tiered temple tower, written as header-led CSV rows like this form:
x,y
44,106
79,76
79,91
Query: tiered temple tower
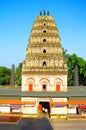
x,y
44,68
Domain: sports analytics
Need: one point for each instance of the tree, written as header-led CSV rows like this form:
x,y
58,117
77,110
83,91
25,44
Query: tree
x,y
5,75
72,61
12,78
19,74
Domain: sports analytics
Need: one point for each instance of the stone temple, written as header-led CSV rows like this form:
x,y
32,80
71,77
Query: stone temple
x,y
44,68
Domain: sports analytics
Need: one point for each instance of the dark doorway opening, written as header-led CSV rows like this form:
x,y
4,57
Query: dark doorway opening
x,y
44,40
44,51
45,105
44,86
44,64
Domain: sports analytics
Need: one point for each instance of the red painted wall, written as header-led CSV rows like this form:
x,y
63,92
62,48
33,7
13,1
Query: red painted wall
x,y
58,87
30,87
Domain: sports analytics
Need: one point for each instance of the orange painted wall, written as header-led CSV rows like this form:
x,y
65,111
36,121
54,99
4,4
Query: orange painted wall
x,y
58,87
30,87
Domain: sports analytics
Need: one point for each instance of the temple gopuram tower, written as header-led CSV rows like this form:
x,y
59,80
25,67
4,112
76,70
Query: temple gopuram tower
x,y
44,68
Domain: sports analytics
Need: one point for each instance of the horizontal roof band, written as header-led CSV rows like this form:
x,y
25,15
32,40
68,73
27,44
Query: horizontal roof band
x,y
17,102
34,102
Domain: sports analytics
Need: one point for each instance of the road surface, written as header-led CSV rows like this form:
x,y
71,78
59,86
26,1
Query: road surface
x,y
69,124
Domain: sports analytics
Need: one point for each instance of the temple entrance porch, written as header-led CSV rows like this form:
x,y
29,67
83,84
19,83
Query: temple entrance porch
x,y
45,107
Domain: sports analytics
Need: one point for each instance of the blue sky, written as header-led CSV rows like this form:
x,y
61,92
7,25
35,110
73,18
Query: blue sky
x,y
17,17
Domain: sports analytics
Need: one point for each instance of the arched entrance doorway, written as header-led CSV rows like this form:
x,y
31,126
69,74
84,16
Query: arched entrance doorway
x,y
45,107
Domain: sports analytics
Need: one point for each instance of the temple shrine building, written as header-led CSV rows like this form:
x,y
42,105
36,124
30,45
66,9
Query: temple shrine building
x,y
44,68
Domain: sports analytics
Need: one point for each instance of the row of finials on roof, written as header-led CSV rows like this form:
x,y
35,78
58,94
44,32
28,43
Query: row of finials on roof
x,y
43,12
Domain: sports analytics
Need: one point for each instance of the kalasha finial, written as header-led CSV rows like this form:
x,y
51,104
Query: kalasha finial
x,y
40,12
44,12
48,12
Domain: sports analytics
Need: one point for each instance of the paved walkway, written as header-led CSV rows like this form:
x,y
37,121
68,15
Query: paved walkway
x,y
25,123
68,124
